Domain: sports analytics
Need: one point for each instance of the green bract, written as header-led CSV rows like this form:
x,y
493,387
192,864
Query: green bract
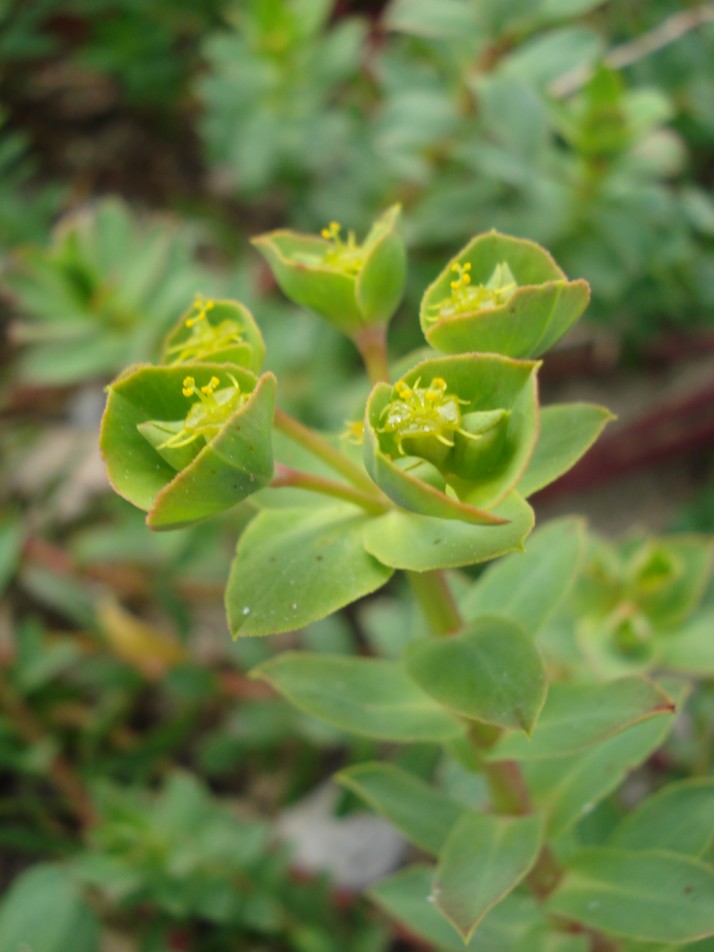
x,y
454,435
221,331
350,285
185,447
501,295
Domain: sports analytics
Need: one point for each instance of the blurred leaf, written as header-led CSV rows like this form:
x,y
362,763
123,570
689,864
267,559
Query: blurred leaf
x,y
484,859
490,671
568,788
11,540
529,586
578,716
423,814
44,911
650,894
370,697
677,818
405,896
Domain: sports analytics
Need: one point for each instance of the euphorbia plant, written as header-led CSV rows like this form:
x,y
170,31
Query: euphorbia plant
x,y
452,448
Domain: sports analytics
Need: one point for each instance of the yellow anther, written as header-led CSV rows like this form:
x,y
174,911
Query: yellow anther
x,y
332,231
210,386
202,306
438,383
189,386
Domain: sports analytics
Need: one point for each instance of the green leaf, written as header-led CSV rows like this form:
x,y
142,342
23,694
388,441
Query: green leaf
x,y
485,857
295,566
567,431
435,19
44,911
405,540
365,696
690,648
565,9
577,716
424,815
678,818
490,672
568,788
405,897
528,587
651,894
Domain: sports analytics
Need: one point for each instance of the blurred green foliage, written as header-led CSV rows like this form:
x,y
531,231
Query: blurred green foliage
x,y
471,113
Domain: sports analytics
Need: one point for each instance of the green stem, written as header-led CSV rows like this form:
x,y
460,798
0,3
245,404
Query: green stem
x,y
506,784
285,476
432,592
372,345
325,451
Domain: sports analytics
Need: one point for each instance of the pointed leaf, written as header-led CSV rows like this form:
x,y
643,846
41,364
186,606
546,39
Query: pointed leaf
x,y
485,857
406,897
423,814
405,540
644,895
490,672
568,788
528,586
295,566
578,716
567,431
364,696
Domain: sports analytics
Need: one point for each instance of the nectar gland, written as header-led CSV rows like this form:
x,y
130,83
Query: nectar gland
x,y
205,338
466,297
209,412
418,412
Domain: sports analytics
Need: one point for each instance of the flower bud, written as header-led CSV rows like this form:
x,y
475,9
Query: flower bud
x,y
219,331
185,447
350,285
501,295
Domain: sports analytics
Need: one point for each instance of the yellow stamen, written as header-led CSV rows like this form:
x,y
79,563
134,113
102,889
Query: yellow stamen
x,y
202,306
189,385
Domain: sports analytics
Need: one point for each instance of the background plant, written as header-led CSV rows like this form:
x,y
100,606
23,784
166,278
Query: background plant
x,y
415,110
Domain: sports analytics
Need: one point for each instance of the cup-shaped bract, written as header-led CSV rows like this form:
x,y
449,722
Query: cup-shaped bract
x,y
501,295
453,437
350,285
220,331
185,446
